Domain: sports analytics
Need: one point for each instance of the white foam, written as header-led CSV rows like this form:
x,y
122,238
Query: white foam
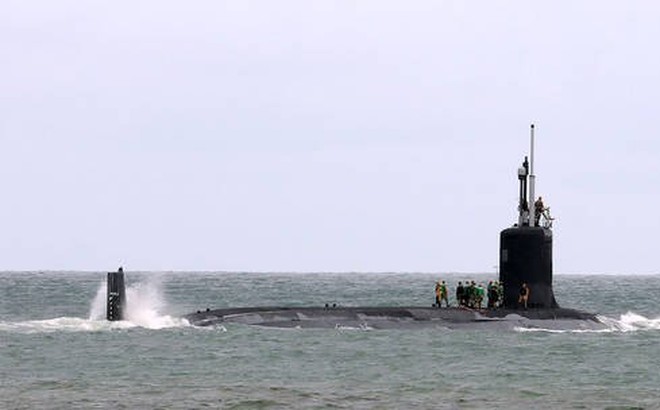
x,y
97,310
539,329
62,324
144,304
361,327
628,322
631,322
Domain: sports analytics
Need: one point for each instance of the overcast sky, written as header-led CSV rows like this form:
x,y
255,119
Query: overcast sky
x,y
325,135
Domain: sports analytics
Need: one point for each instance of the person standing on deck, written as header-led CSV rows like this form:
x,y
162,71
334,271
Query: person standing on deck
x,y
460,294
438,293
524,296
444,294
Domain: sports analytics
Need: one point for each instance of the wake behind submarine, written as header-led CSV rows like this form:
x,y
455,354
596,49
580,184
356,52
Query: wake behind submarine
x,y
525,258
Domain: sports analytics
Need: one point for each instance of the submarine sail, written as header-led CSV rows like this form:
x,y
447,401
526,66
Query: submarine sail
x,y
526,248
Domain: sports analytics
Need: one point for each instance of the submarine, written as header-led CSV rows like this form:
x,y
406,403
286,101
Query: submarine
x,y
525,256
525,259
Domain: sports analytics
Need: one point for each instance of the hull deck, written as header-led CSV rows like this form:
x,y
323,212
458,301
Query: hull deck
x,y
394,317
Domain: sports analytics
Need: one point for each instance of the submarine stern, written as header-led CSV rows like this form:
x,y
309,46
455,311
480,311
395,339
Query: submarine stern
x,y
116,296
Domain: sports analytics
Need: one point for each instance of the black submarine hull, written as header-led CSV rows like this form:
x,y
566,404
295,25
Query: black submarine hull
x,y
395,317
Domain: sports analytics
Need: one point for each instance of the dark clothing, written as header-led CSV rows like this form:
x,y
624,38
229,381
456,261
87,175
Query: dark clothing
x,y
538,206
538,210
460,294
492,297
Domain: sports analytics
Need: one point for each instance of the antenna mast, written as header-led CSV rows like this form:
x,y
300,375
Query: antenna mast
x,y
532,179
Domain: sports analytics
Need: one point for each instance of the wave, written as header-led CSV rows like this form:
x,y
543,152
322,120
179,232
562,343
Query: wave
x,y
144,304
628,322
361,327
62,324
631,322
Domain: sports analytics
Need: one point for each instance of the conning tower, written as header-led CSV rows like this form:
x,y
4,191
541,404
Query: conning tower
x,y
116,298
526,248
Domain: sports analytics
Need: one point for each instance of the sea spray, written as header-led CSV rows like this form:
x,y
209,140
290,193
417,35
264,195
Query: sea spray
x,y
144,302
97,309
628,322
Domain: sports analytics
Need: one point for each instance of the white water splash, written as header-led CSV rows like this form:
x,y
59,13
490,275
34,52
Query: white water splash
x,y
361,327
144,304
628,322
62,324
97,310
543,330
631,322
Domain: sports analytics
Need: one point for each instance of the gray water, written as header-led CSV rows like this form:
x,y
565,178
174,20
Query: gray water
x,y
56,351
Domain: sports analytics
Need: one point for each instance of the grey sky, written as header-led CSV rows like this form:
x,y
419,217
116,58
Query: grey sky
x,y
325,136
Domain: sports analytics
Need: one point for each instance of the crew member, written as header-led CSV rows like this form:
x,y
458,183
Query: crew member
x,y
539,208
438,293
479,295
471,294
524,296
492,294
460,294
443,294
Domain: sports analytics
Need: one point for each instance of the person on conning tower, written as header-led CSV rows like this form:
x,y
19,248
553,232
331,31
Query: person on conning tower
x,y
539,208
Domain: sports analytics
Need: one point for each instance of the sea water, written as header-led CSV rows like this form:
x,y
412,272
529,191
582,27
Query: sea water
x,y
57,351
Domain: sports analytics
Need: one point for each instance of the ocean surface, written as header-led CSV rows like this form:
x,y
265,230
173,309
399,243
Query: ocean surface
x,y
57,352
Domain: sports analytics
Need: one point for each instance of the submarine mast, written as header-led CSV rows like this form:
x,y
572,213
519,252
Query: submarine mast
x,y
526,248
532,177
